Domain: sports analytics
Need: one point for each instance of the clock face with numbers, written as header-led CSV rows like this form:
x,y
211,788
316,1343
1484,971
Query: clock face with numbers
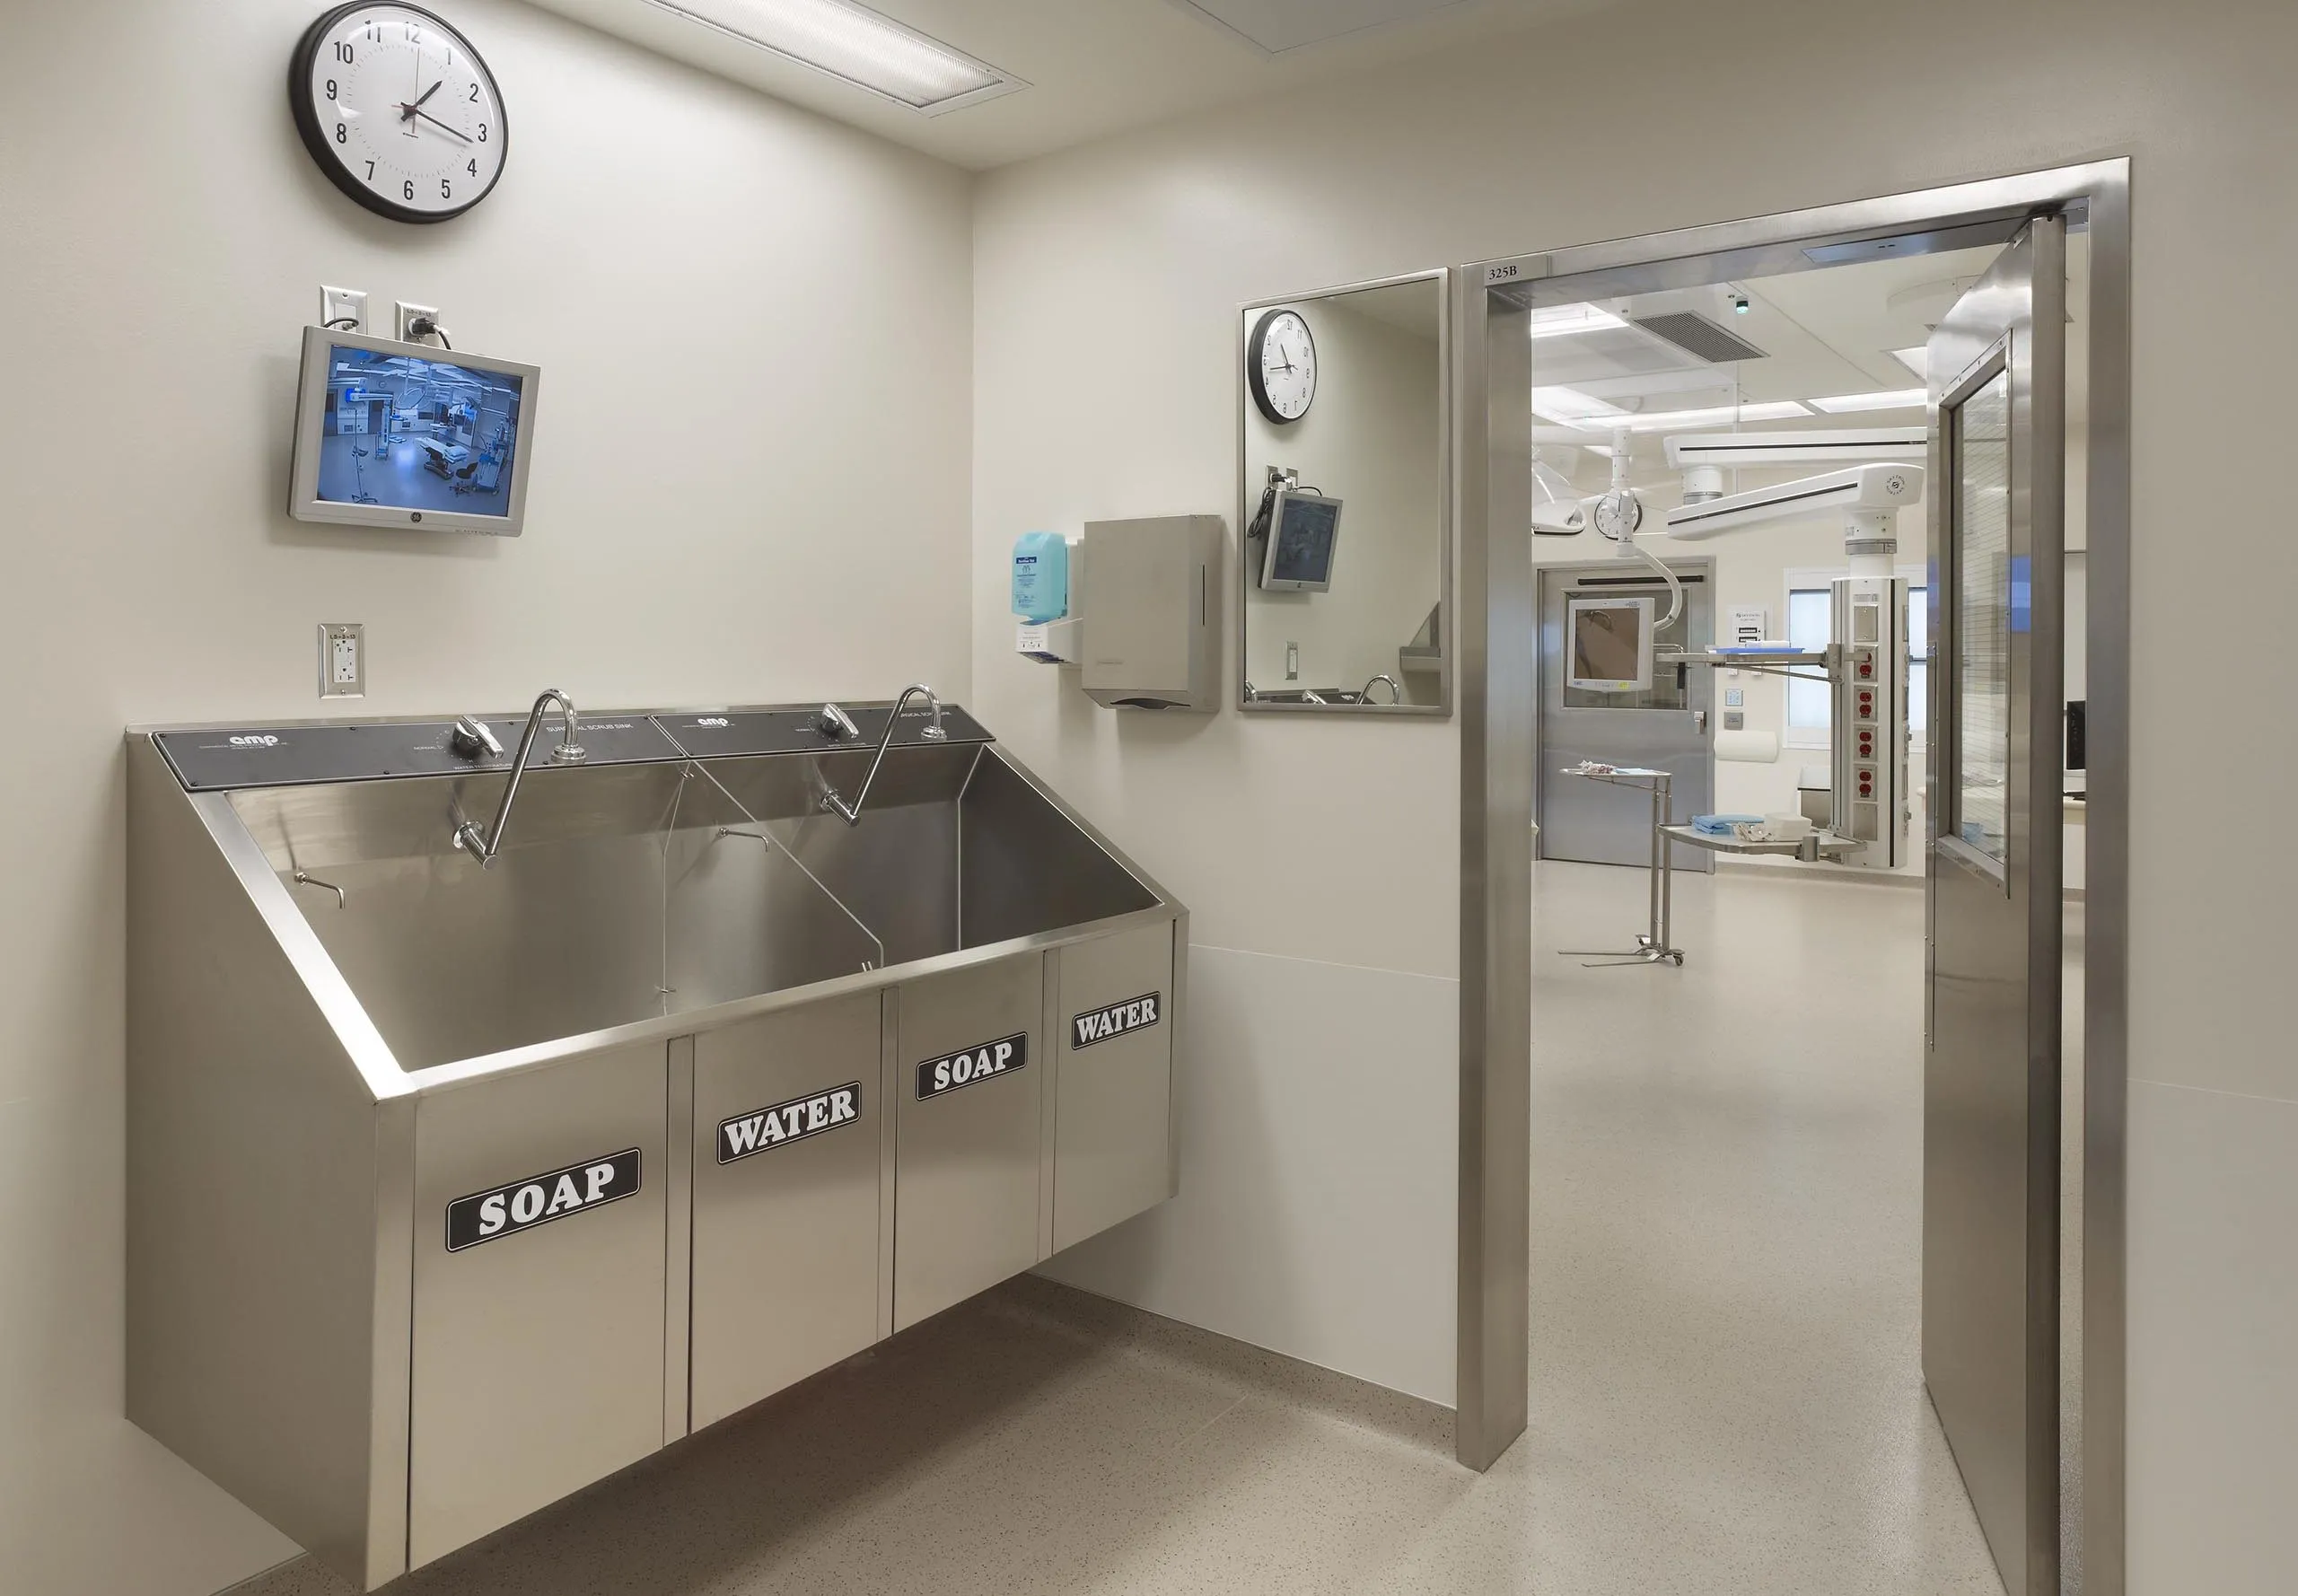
x,y
1281,365
399,110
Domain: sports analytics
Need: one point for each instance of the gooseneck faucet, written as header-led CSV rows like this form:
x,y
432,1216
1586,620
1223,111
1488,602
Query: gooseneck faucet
x,y
852,813
484,845
1395,693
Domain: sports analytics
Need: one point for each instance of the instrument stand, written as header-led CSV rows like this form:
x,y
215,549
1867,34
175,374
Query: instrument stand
x,y
1652,947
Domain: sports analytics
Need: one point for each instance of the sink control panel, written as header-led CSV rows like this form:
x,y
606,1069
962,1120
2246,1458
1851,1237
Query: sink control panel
x,y
298,755
728,733
227,757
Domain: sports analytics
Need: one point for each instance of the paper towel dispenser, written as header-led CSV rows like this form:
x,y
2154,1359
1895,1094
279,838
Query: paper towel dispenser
x,y
1153,610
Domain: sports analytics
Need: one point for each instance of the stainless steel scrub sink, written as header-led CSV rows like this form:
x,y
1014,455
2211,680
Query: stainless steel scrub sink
x,y
464,1173
629,892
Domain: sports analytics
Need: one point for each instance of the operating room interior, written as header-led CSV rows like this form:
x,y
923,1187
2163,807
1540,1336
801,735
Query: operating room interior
x,y
953,797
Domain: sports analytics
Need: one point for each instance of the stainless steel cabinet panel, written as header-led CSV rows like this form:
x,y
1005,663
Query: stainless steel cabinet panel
x,y
787,1118
1113,1089
967,1163
538,1363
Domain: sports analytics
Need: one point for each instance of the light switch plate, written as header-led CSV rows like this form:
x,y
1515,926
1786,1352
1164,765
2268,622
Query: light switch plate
x,y
343,659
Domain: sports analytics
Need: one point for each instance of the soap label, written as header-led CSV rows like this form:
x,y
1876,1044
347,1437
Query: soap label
x,y
761,1130
523,1204
970,1065
1099,1025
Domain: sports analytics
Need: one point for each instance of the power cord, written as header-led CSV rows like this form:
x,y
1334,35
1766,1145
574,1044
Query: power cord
x,y
350,322
423,327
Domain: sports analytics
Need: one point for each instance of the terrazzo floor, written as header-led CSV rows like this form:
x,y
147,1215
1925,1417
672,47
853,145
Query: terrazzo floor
x,y
1725,1391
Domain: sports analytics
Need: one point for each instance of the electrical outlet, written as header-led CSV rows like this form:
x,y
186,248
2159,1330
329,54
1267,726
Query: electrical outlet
x,y
343,659
407,314
343,304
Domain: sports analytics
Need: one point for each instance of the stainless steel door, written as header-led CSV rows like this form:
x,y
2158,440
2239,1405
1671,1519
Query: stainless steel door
x,y
787,1109
1670,728
538,1290
971,1067
1991,1081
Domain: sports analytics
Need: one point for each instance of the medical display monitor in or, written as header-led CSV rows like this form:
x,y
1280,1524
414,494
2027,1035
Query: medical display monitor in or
x,y
1303,535
1609,643
407,435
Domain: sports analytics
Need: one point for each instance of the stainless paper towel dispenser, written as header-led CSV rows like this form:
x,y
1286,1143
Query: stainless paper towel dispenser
x,y
1151,604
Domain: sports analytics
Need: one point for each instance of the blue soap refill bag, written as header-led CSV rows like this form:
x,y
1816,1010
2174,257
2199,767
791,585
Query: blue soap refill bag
x,y
1040,577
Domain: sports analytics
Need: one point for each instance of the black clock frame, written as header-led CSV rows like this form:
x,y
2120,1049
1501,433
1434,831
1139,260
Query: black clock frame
x,y
1253,343
313,129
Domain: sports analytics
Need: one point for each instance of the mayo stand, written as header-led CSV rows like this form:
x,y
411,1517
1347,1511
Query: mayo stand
x,y
1652,947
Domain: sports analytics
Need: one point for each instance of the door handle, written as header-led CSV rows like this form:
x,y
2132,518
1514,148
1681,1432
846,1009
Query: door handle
x,y
1699,721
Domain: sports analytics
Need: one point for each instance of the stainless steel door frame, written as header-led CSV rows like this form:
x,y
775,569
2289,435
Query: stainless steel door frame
x,y
1497,746
1585,820
1991,1070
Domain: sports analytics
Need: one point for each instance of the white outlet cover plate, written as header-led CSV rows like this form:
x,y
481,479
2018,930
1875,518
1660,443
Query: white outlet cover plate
x,y
343,659
404,314
336,303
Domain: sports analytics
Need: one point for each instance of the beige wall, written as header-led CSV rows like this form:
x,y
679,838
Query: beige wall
x,y
1650,117
750,483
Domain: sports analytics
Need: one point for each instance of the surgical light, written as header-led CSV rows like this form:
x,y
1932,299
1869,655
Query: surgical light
x,y
854,44
1845,404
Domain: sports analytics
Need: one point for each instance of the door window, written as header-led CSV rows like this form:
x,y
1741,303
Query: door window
x,y
1984,599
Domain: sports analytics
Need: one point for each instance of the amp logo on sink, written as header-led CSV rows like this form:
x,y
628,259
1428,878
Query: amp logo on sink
x,y
1099,1025
762,1129
964,1068
490,1215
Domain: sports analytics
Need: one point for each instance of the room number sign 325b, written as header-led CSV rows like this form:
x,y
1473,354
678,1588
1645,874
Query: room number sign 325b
x,y
399,110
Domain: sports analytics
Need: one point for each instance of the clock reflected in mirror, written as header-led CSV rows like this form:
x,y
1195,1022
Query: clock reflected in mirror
x,y
399,110
1281,365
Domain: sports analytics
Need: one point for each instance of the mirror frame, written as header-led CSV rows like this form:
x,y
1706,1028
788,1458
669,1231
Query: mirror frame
x,y
1249,499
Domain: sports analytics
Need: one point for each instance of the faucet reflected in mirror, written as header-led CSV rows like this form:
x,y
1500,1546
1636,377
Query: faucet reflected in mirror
x,y
1344,566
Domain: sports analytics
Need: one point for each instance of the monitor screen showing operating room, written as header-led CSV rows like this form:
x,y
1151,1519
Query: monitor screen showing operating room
x,y
409,433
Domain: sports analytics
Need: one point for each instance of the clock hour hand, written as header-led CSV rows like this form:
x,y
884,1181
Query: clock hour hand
x,y
433,88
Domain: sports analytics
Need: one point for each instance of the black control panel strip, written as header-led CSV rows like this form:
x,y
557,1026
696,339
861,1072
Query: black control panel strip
x,y
231,758
731,733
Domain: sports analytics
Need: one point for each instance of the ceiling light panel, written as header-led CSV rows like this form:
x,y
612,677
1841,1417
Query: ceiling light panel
x,y
854,44
1847,404
1917,360
1556,321
1571,408
1653,421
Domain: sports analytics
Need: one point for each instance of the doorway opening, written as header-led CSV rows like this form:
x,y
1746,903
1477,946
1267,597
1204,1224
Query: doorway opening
x,y
1824,1190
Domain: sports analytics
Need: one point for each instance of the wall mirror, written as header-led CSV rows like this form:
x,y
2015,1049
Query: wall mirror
x,y
1345,573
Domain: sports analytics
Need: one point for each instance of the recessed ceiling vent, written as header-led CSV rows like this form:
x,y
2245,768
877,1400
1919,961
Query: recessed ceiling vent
x,y
1276,26
1697,335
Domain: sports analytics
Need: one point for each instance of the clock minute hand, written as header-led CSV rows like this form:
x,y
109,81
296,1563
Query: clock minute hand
x,y
416,111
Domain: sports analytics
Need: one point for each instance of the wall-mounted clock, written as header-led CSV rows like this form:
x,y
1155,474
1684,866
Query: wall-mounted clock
x,y
399,110
1281,365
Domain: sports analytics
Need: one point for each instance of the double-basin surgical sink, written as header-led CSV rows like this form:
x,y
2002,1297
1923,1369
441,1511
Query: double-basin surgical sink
x,y
457,1183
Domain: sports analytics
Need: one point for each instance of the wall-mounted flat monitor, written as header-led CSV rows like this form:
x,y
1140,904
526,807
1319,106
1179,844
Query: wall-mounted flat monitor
x,y
411,435
1608,643
1303,536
